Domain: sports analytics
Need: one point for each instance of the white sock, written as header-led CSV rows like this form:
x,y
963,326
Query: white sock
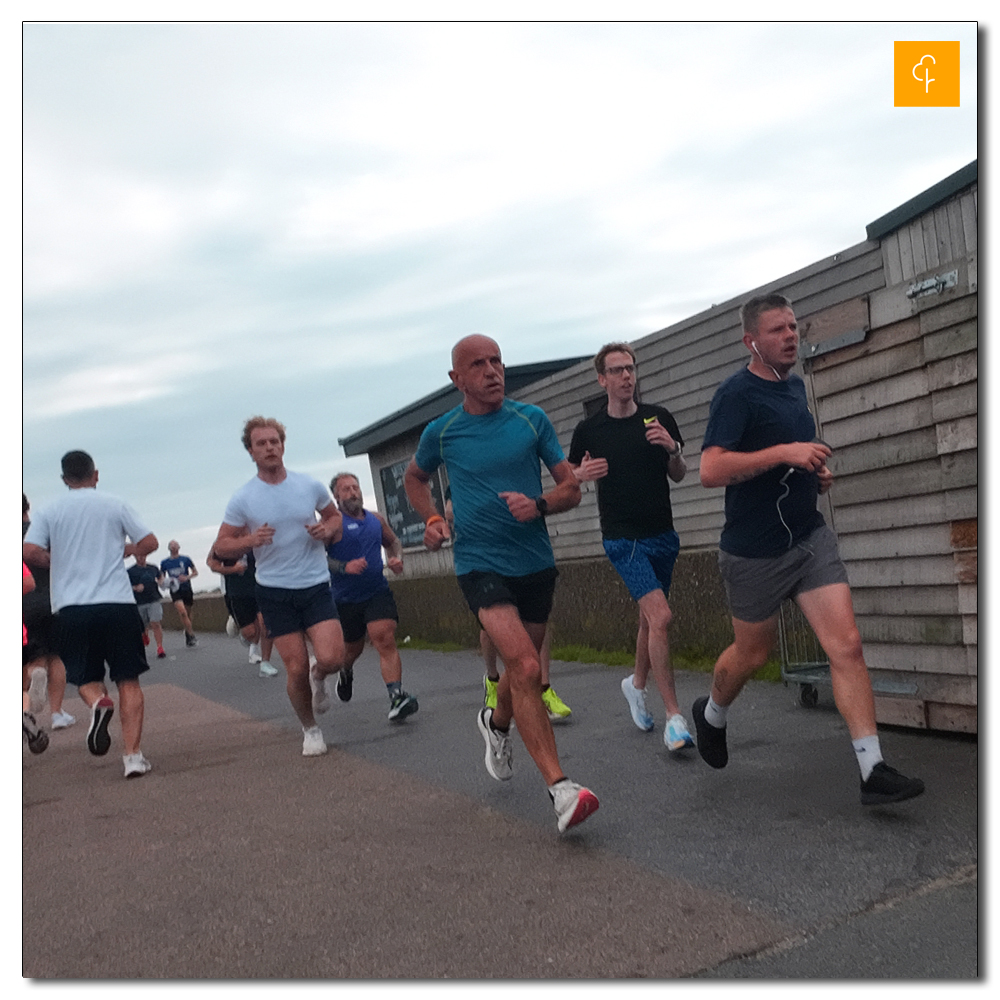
x,y
869,753
715,715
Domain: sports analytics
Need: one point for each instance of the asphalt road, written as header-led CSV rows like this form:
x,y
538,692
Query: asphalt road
x,y
397,856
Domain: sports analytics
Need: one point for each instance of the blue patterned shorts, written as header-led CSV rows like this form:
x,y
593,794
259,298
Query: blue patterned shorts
x,y
645,564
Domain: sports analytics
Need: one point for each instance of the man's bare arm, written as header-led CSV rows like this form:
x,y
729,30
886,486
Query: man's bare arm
x,y
417,484
234,541
143,547
35,555
720,467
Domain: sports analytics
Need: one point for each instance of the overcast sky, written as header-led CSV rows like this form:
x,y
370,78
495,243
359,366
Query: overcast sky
x,y
300,220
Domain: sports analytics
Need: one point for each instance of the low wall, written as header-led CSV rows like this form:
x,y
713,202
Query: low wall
x,y
592,608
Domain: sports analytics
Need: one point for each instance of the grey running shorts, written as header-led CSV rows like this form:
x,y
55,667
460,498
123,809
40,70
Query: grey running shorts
x,y
756,587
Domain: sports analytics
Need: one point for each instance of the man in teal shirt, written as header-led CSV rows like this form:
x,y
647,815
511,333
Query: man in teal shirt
x,y
493,447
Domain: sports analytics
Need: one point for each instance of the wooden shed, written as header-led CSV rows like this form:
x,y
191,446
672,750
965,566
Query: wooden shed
x,y
889,355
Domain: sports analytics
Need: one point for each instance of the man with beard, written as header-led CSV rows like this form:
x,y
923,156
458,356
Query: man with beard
x,y
364,601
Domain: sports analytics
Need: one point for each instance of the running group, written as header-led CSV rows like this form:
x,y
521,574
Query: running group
x,y
305,574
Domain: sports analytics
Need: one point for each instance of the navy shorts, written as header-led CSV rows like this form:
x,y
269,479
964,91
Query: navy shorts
x,y
355,618
286,610
243,610
91,635
645,564
532,594
184,594
756,587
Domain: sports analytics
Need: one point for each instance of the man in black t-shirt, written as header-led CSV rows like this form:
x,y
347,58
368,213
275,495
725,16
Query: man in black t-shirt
x,y
631,450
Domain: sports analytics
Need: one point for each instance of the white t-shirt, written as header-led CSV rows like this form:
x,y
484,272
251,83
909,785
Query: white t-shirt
x,y
85,533
294,559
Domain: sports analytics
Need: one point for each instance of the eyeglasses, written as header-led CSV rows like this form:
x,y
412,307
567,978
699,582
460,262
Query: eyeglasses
x,y
620,370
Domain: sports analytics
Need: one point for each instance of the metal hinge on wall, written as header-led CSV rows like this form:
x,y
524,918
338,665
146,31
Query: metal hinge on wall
x,y
933,286
807,350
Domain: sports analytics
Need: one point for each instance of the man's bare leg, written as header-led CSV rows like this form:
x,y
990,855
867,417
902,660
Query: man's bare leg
x,y
655,614
383,636
292,650
831,614
131,705
519,694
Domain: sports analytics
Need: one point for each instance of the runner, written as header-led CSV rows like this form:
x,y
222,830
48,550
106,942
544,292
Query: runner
x,y
493,447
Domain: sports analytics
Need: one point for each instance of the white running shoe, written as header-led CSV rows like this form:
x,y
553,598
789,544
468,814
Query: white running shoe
x,y
313,744
60,720
499,755
637,705
232,629
254,655
136,765
321,699
572,802
266,670
676,735
38,690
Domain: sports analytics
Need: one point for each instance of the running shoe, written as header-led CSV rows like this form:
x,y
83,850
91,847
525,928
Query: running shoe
x,y
572,802
885,784
558,710
254,655
403,704
61,720
190,640
711,739
490,689
321,699
637,705
313,744
232,629
161,653
499,755
38,689
136,765
37,738
98,737
266,670
676,735
345,685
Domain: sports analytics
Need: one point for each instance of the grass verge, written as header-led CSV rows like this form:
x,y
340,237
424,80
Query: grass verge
x,y
697,662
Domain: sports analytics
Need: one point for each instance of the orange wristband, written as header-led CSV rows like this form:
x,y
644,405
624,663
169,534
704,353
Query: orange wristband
x,y
433,520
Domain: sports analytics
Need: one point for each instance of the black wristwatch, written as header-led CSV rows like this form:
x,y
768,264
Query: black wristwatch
x,y
543,505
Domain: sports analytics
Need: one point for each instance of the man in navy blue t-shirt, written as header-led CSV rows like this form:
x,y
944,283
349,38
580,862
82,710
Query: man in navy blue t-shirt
x,y
761,445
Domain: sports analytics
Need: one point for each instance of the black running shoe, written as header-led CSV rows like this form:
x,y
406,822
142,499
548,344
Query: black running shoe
x,y
37,738
886,784
98,738
403,704
345,684
711,740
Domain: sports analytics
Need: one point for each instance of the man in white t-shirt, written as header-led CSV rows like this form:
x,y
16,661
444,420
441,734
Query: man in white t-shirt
x,y
83,537
274,514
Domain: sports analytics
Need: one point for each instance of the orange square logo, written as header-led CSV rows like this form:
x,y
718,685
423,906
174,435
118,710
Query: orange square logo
x,y
925,75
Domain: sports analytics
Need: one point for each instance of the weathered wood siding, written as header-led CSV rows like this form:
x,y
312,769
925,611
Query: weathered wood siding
x,y
900,410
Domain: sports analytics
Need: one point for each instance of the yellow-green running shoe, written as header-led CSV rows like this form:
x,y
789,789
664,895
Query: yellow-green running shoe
x,y
558,709
490,687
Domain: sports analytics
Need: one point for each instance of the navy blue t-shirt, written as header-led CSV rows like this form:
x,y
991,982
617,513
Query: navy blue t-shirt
x,y
146,575
766,515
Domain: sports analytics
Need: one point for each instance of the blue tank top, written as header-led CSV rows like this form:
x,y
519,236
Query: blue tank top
x,y
362,537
